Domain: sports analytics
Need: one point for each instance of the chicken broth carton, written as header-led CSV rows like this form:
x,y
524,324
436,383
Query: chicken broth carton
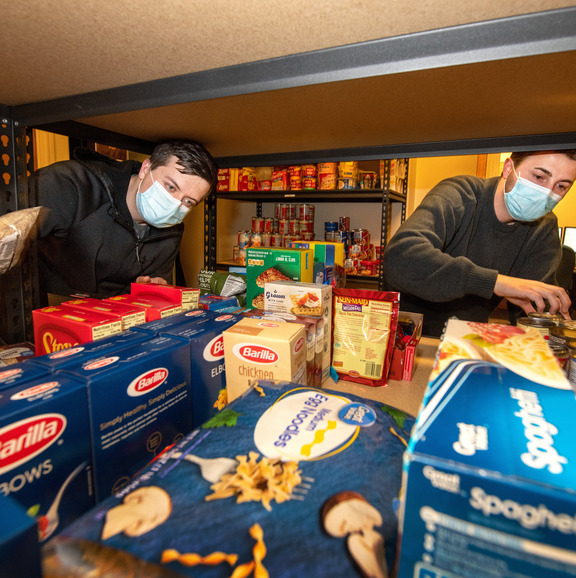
x,y
490,477
306,299
45,455
140,403
256,349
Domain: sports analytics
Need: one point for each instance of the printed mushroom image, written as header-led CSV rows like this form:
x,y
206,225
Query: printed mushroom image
x,y
141,511
350,514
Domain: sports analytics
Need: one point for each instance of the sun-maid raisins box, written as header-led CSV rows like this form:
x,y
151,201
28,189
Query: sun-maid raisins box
x,y
265,264
489,478
140,403
45,455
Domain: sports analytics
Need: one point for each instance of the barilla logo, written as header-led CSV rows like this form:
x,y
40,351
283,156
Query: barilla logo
x,y
195,313
148,381
66,353
353,300
6,375
51,343
226,317
214,350
99,363
25,439
36,390
255,353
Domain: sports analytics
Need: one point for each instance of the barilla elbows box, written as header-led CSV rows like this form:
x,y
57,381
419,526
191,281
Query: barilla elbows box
x,y
308,299
140,403
313,349
489,487
154,307
186,297
258,349
129,315
79,354
205,336
45,454
57,328
19,545
267,264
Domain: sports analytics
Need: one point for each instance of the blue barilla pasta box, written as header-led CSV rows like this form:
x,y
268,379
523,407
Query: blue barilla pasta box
x,y
140,402
45,454
205,336
287,481
489,485
21,372
158,326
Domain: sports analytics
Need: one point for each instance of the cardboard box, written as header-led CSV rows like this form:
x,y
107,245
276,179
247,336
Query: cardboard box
x,y
256,349
314,348
159,326
265,264
308,299
402,365
16,353
489,477
227,179
217,302
57,328
128,315
20,373
45,450
330,253
140,402
186,297
19,547
155,307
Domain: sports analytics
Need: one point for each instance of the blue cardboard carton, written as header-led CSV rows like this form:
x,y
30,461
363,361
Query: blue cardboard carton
x,y
490,477
20,373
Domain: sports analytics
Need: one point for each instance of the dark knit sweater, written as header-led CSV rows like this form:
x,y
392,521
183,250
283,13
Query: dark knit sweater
x,y
444,259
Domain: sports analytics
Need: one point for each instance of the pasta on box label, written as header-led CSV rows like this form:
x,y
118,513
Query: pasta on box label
x,y
364,327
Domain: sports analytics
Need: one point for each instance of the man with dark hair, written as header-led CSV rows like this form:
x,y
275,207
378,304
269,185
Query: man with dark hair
x,y
472,242
106,224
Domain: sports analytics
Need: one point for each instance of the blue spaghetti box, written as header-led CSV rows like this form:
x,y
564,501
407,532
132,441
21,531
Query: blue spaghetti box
x,y
19,547
489,485
19,373
140,402
158,326
207,361
71,356
45,453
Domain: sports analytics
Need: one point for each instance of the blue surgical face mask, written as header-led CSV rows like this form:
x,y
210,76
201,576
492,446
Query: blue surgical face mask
x,y
158,207
528,201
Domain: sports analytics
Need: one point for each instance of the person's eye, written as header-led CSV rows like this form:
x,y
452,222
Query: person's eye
x,y
189,203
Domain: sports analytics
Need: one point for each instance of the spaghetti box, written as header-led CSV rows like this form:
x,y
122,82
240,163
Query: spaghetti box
x,y
489,477
266,264
186,297
45,455
204,335
155,307
19,546
313,333
258,349
20,373
140,403
217,302
308,299
81,353
159,326
57,328
128,314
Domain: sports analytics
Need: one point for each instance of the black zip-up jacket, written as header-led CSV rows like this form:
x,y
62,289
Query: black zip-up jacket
x,y
86,238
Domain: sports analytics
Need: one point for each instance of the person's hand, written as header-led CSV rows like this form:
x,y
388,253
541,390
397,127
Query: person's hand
x,y
153,280
526,293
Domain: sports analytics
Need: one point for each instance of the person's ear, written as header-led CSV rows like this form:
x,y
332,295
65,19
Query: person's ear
x,y
144,169
507,168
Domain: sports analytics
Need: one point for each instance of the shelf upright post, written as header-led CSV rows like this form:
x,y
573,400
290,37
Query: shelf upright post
x,y
210,248
19,286
385,185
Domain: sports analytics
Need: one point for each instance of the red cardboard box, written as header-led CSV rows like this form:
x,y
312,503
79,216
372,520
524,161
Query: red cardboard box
x,y
184,296
402,365
129,315
155,307
57,328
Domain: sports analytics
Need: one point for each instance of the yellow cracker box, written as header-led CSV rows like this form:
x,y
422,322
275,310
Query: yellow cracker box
x,y
308,299
259,349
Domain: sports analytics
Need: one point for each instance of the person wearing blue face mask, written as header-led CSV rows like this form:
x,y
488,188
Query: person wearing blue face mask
x,y
107,224
473,241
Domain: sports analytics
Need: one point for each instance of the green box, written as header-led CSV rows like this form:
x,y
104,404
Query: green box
x,y
266,264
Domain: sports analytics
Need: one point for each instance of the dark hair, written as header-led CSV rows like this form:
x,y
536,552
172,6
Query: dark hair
x,y
519,156
192,156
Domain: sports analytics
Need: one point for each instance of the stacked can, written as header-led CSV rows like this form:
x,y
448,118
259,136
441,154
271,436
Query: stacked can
x,y
327,174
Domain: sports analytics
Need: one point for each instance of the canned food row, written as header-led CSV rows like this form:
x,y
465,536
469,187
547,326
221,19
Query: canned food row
x,y
298,211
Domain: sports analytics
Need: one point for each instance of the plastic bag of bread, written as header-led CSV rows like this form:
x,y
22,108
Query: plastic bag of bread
x,y
16,230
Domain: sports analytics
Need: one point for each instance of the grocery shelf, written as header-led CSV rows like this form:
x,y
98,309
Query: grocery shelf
x,y
312,195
